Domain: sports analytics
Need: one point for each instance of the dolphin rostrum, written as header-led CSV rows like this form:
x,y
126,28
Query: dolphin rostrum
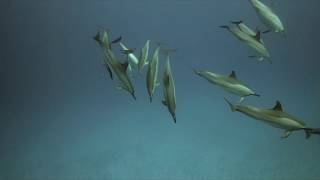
x,y
275,117
143,59
267,16
152,74
169,90
120,69
228,83
254,42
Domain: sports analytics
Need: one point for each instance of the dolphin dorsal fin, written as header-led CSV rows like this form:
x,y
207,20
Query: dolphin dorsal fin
x,y
166,81
233,75
258,36
278,106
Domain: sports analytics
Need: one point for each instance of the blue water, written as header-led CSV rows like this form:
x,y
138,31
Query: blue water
x,y
62,117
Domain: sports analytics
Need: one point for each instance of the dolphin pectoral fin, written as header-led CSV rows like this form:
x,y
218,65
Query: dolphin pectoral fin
x,y
164,103
241,99
120,87
232,107
286,134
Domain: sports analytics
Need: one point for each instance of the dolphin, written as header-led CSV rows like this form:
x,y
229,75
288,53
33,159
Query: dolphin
x,y
152,74
120,69
228,83
144,53
132,59
169,90
103,42
254,42
267,16
275,117
246,29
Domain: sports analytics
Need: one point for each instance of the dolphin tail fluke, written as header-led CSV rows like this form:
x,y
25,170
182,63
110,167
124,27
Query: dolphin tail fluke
x,y
310,131
255,94
134,96
195,71
232,107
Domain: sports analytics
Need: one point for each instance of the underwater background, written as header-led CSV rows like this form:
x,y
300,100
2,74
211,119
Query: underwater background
x,y
62,117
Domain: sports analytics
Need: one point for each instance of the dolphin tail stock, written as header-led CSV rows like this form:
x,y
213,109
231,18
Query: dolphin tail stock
x,y
232,107
310,131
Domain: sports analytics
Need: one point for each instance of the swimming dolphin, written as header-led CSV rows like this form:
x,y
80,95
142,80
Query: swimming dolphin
x,y
152,74
267,16
246,29
228,83
120,69
133,60
103,42
254,42
169,90
276,117
143,59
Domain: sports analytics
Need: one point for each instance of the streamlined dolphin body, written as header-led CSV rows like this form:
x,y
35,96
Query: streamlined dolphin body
x,y
152,74
143,59
228,83
169,90
103,42
254,42
121,72
276,117
267,16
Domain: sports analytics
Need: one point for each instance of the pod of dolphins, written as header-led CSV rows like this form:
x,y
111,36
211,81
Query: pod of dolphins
x,y
276,116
